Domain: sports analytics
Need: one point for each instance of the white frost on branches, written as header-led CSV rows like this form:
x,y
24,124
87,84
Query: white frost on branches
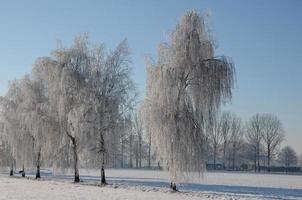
x,y
74,103
185,89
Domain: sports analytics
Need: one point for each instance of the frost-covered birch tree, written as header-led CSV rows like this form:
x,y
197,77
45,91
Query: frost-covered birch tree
x,y
113,98
7,158
36,119
75,102
185,89
64,74
16,126
89,92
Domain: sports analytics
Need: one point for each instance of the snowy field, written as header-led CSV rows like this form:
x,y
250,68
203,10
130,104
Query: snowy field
x,y
149,184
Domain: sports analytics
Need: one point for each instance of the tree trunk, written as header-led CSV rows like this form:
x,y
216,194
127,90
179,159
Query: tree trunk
x,y
130,152
11,173
103,151
140,152
229,160
255,161
38,172
233,158
215,150
38,165
268,158
23,171
122,153
173,186
149,153
258,158
76,161
136,159
103,177
224,154
75,157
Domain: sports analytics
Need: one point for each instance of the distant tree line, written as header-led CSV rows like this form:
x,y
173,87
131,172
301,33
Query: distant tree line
x,y
234,145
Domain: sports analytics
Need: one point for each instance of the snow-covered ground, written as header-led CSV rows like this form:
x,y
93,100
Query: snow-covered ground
x,y
150,184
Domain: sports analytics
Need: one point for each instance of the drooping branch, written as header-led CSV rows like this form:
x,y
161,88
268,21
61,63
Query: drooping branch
x,y
185,89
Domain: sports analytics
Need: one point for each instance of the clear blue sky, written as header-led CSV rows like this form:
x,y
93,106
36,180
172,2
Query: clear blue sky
x,y
263,37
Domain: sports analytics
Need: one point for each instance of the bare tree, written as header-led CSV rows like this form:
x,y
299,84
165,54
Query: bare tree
x,y
185,88
273,135
225,127
254,138
216,138
288,157
236,139
148,135
138,129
